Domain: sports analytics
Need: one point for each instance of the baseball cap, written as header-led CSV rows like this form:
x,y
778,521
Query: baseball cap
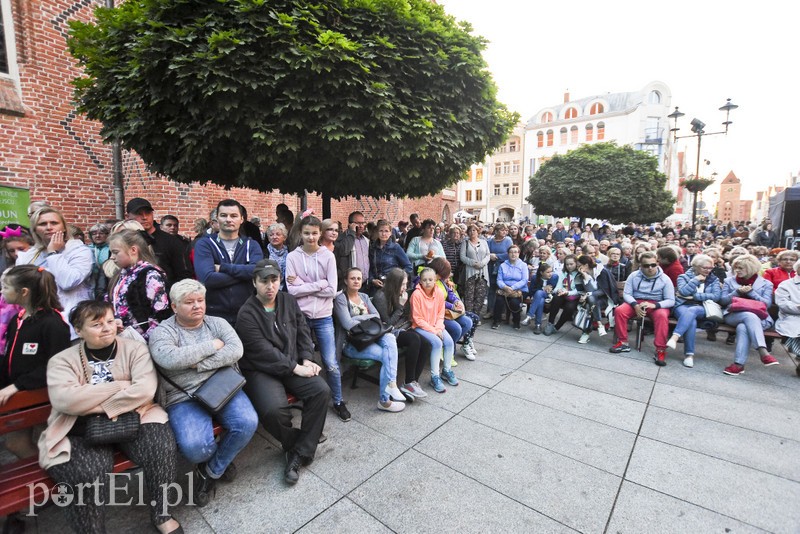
x,y
137,204
266,268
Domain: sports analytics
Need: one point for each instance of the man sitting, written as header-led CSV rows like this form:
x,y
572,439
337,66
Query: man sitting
x,y
648,292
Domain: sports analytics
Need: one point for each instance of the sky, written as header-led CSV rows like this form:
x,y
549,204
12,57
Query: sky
x,y
704,50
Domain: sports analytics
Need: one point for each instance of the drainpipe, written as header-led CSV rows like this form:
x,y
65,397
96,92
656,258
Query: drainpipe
x,y
116,166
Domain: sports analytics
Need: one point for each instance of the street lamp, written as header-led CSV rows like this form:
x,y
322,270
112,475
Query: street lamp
x,y
698,130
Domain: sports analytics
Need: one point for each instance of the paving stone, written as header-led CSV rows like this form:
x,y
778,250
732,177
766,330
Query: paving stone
x,y
456,398
344,517
601,407
443,500
481,373
617,363
751,496
587,441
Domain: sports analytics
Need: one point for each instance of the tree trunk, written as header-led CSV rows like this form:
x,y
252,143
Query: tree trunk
x,y
326,206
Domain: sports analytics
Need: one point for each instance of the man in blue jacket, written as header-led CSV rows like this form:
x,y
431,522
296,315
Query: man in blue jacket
x,y
648,292
224,262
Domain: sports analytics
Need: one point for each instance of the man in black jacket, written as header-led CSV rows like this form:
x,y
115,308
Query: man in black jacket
x,y
277,359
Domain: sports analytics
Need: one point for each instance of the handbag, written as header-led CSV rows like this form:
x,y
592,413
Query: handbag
x,y
102,430
583,316
713,311
740,304
217,391
367,332
451,314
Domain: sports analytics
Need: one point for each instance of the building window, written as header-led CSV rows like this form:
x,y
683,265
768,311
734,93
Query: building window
x,y
573,135
468,196
547,117
506,189
502,149
497,168
596,109
479,175
549,137
515,189
654,97
571,113
478,195
512,146
515,166
563,133
496,189
468,177
506,167
7,51
589,132
601,131
539,139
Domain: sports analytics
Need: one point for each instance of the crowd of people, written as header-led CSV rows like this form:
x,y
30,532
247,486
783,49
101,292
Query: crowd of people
x,y
135,322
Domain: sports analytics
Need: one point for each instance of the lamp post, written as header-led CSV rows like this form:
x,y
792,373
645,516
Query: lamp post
x,y
698,131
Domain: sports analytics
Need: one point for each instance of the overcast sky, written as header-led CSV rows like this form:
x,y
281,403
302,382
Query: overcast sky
x,y
704,50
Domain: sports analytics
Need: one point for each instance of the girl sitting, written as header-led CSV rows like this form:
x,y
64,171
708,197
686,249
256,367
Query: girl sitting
x,y
541,292
427,318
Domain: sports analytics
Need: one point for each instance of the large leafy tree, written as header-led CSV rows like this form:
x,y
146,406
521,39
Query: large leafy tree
x,y
602,181
341,97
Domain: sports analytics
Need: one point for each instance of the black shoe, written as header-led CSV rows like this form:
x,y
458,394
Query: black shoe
x,y
230,473
204,486
293,462
322,438
495,326
768,342
342,411
731,339
711,336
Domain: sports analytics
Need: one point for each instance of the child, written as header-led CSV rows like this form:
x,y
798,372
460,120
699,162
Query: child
x,y
427,318
542,287
37,333
139,290
311,278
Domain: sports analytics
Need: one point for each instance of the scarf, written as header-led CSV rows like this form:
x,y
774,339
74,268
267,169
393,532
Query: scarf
x,y
746,281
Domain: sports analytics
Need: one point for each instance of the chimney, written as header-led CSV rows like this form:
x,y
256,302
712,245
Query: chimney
x,y
566,96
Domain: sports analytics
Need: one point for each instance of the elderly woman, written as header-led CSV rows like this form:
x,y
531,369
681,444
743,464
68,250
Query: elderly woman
x,y
498,253
452,252
474,255
512,286
748,296
100,378
277,249
695,286
99,247
787,298
68,259
423,248
189,348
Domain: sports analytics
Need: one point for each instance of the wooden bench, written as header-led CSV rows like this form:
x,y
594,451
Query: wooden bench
x,y
720,327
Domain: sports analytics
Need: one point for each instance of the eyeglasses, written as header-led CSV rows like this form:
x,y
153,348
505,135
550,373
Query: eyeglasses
x,y
649,265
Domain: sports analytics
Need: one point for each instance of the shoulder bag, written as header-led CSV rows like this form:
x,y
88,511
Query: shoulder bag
x,y
740,304
217,391
713,311
583,316
367,332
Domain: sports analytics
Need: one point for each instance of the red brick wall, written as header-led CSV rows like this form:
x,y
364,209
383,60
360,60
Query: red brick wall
x,y
60,157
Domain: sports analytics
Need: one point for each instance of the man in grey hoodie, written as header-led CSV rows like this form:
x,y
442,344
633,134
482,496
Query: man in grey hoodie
x,y
648,292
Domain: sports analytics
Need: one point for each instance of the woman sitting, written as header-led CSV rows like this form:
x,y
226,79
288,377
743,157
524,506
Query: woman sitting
x,y
695,286
458,322
100,378
352,307
541,291
512,284
189,348
601,290
566,297
139,290
787,298
427,318
394,307
423,248
749,315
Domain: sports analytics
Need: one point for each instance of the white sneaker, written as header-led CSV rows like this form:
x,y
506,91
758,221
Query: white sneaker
x,y
395,394
418,391
526,321
392,406
468,353
673,343
584,338
601,330
688,361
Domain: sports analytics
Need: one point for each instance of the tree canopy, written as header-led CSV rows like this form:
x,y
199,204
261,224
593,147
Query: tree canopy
x,y
343,97
602,181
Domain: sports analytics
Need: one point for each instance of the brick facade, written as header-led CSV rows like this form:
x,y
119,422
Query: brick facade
x,y
47,147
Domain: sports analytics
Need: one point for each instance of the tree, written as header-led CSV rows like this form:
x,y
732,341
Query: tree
x,y
344,97
602,181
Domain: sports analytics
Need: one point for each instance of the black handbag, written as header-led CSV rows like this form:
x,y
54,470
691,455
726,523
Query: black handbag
x,y
367,332
102,430
217,391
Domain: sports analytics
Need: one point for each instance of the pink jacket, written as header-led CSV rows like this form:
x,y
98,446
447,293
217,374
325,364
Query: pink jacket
x,y
427,312
315,285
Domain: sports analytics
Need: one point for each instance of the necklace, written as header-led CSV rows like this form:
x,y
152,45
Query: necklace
x,y
104,354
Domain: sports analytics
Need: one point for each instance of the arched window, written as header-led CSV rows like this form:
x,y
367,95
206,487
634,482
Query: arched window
x,y
571,113
573,135
596,109
539,139
601,131
549,137
563,133
547,117
589,132
654,97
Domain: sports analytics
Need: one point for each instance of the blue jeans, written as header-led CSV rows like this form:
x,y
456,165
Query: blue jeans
x,y
326,341
536,309
687,315
458,328
749,332
194,431
385,351
437,345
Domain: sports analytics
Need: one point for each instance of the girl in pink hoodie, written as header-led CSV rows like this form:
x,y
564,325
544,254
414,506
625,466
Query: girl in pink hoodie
x,y
427,318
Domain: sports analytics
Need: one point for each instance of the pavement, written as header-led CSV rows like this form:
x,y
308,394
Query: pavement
x,y
542,435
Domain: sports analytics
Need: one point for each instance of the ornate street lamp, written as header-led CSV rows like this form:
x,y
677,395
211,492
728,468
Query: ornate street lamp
x,y
697,184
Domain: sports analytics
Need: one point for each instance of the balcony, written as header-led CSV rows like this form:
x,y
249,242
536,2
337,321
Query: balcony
x,y
653,136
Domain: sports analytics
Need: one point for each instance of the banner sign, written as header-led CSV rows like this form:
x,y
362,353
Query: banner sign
x,y
14,203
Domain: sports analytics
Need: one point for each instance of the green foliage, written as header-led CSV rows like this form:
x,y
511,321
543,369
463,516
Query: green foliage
x,y
345,97
602,181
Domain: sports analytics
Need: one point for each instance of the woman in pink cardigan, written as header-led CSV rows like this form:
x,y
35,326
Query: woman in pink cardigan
x,y
106,375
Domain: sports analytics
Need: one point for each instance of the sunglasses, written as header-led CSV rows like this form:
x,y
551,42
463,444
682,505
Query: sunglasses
x,y
649,265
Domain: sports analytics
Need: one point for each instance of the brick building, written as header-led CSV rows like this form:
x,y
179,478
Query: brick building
x,y
47,147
